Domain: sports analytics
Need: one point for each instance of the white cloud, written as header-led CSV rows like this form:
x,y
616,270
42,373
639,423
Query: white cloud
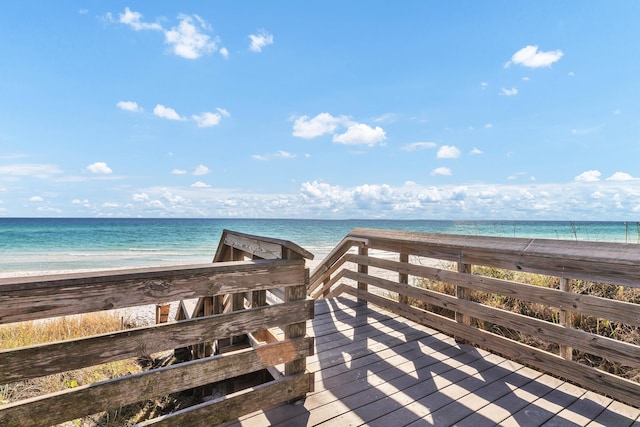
x,y
260,40
134,20
36,199
531,57
141,197
476,151
200,184
166,113
418,146
79,202
129,106
484,85
277,155
621,176
571,74
323,123
448,152
509,92
224,52
99,168
441,171
187,40
179,172
360,133
208,119
201,170
488,126
111,205
589,176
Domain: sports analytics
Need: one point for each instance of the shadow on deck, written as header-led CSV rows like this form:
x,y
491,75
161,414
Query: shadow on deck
x,y
378,369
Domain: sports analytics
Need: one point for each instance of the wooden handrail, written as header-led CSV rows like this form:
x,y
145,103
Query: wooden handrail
x,y
242,281
450,260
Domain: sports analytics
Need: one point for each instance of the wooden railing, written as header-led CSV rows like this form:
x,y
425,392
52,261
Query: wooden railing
x,y
33,298
400,270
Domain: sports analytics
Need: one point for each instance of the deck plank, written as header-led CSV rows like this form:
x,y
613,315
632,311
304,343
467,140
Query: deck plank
x,y
375,368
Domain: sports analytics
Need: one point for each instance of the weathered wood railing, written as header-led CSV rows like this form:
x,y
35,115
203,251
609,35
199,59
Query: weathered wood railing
x,y
426,259
32,298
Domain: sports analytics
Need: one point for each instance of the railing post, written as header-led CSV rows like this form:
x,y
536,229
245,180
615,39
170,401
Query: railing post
x,y
296,293
403,278
463,293
364,269
565,316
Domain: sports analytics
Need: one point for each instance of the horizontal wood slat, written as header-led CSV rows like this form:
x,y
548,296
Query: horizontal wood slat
x,y
625,353
615,263
589,305
232,406
73,354
37,298
602,382
90,399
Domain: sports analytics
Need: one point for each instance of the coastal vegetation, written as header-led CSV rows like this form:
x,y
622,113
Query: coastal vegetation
x,y
30,333
591,324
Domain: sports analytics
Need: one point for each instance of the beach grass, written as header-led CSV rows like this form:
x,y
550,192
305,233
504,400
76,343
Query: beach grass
x,y
592,324
59,329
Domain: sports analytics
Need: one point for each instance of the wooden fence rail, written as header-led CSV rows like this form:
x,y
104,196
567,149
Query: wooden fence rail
x,y
380,274
284,356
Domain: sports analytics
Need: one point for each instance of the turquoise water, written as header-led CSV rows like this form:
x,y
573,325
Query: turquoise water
x,y
46,245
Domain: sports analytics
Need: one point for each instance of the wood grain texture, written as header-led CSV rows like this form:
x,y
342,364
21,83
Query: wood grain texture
x,y
85,400
46,359
42,297
616,263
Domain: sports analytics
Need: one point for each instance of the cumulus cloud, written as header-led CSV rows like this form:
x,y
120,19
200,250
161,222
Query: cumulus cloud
x,y
621,176
200,184
141,197
129,106
36,199
208,119
201,170
323,123
509,92
134,20
361,134
179,172
448,152
476,151
260,40
589,176
530,56
99,168
224,52
441,171
414,146
166,113
187,39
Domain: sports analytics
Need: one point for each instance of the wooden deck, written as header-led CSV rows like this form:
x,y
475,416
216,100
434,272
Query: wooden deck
x,y
378,369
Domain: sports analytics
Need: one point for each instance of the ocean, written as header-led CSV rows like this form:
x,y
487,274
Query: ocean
x,y
30,246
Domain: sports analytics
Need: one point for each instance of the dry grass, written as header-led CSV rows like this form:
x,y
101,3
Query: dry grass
x,y
615,330
58,329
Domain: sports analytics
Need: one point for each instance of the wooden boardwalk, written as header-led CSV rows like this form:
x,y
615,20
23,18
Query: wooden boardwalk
x,y
377,369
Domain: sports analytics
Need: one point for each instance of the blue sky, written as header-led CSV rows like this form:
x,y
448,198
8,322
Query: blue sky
x,y
413,109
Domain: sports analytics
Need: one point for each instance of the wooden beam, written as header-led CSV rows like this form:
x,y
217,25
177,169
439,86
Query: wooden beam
x,y
34,361
34,298
85,400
